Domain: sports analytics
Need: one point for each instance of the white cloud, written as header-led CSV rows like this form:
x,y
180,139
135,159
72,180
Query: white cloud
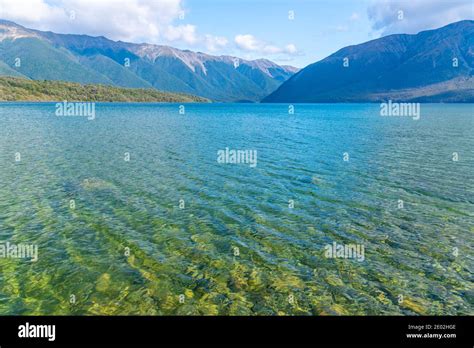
x,y
186,33
291,49
117,19
29,11
418,15
152,21
215,43
249,43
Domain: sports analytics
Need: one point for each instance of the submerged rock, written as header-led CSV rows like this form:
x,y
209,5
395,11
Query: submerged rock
x,y
97,184
103,282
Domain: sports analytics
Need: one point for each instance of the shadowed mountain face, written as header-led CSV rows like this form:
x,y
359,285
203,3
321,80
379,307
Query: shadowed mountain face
x,y
431,66
80,58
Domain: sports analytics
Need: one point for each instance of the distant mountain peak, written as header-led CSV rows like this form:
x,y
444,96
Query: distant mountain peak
x,y
191,59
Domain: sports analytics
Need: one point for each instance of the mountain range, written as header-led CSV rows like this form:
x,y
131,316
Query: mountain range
x,y
40,55
431,66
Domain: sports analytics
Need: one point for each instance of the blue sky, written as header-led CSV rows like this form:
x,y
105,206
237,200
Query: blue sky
x,y
318,29
313,31
245,28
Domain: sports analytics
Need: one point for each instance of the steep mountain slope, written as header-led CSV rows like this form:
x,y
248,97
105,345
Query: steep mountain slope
x,y
5,70
39,60
434,65
115,72
86,59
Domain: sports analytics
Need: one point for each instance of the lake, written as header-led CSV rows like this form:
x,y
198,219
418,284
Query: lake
x,y
237,209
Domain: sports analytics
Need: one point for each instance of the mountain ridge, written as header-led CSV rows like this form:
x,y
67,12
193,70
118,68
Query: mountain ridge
x,y
399,66
221,78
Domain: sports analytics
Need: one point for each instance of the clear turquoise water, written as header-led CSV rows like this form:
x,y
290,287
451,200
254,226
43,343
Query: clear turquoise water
x,y
190,251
